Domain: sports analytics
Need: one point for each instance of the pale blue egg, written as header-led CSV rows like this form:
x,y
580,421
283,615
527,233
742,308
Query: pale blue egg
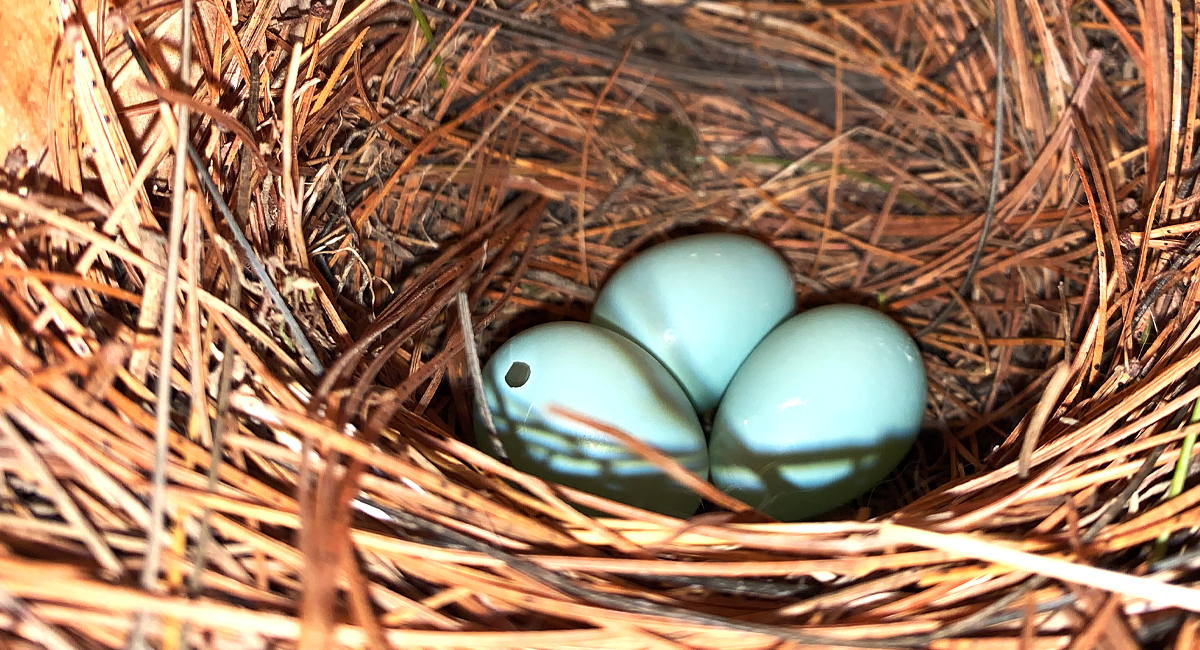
x,y
822,410
699,304
602,375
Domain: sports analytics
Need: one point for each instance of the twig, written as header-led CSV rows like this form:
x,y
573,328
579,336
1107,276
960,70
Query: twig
x,y
994,192
215,458
481,406
251,257
251,118
51,636
166,360
292,203
1118,504
1111,581
669,465
218,431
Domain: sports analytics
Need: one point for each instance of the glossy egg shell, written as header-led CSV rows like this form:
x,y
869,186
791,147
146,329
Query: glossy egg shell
x,y
605,376
823,409
699,304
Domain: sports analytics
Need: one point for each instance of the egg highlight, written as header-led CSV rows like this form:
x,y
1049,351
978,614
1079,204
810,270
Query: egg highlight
x,y
699,304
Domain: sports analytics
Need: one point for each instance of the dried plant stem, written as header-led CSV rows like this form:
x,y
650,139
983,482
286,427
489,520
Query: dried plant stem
x,y
300,339
1041,413
482,411
989,213
87,532
1152,591
166,362
216,455
292,192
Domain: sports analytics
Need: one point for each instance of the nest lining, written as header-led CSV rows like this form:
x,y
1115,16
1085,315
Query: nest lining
x,y
510,158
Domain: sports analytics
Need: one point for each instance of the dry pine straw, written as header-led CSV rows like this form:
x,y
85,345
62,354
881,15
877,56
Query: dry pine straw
x,y
515,159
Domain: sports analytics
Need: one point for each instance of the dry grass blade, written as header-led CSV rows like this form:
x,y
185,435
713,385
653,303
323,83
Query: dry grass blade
x,y
155,541
1120,583
476,374
71,512
1040,414
46,634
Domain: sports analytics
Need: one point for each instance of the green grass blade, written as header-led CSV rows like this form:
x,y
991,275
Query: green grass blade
x,y
1180,475
423,22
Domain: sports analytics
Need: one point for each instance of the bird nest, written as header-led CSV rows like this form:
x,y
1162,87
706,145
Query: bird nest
x,y
303,207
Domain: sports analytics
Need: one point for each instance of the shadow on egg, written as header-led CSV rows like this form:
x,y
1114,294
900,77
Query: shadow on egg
x,y
556,454
804,484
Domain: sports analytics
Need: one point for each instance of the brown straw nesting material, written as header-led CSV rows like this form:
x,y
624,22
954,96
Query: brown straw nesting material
x,y
337,209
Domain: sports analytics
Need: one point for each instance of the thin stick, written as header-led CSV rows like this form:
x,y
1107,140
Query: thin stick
x,y
218,432
291,193
199,379
260,271
166,359
1159,593
70,511
672,467
994,192
49,635
473,369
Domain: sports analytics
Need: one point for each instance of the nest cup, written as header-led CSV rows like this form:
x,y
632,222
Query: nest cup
x,y
382,193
